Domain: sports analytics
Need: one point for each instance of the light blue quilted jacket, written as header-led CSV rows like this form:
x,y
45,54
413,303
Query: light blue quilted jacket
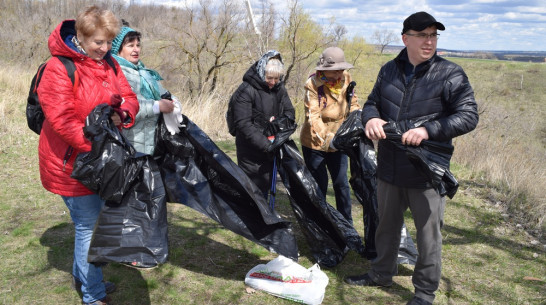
x,y
142,134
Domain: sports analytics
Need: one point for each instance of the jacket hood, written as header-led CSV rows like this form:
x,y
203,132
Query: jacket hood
x,y
58,39
56,42
255,75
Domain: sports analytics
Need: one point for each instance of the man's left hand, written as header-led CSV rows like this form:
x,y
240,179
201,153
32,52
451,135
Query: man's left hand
x,y
415,136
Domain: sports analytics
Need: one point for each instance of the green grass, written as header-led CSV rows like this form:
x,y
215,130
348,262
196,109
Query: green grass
x,y
486,260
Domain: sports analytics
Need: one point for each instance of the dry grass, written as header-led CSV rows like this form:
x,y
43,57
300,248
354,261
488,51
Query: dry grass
x,y
507,149
486,259
14,84
208,111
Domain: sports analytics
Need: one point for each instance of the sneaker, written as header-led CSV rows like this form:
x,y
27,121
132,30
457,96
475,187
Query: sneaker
x,y
104,301
140,265
109,287
418,301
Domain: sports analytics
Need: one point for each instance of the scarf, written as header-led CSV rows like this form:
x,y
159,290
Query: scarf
x,y
149,87
334,86
262,62
76,43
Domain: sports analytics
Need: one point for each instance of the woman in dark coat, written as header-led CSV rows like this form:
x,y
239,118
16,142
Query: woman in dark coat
x,y
258,101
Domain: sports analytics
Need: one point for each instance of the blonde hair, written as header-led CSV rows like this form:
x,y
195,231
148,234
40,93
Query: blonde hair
x,y
93,18
274,67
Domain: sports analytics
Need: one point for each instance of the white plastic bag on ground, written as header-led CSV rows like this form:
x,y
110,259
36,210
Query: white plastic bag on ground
x,y
287,279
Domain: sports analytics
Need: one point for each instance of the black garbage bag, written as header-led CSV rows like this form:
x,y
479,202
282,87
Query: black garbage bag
x,y
132,226
137,229
329,235
431,157
282,129
111,175
363,164
407,253
351,139
198,174
327,232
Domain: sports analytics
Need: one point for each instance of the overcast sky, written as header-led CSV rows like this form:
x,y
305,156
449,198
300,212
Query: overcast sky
x,y
512,25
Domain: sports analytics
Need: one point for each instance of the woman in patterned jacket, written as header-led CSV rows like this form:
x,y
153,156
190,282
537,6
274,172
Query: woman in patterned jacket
x,y
325,109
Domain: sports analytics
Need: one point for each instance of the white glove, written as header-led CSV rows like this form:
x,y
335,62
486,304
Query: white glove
x,y
155,107
173,119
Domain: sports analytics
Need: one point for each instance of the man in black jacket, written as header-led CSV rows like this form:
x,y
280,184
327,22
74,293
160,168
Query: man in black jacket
x,y
431,99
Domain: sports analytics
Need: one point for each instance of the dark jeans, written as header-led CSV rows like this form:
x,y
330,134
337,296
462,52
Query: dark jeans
x,y
319,164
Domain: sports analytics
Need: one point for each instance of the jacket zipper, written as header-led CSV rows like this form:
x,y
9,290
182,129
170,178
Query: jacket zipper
x,y
405,101
67,156
408,92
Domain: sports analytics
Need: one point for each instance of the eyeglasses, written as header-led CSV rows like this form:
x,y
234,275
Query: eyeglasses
x,y
424,36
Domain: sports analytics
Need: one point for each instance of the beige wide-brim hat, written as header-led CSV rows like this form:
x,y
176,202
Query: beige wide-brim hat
x,y
332,58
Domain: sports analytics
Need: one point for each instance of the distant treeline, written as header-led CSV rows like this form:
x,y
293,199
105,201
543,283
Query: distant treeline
x,y
499,55
524,56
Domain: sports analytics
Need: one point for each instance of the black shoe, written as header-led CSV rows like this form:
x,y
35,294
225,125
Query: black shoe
x,y
418,301
363,280
109,287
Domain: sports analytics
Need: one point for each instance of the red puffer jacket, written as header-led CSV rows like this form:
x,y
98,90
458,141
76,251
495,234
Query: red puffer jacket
x,y
66,111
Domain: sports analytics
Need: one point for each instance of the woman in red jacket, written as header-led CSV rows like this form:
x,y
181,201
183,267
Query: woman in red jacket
x,y
87,41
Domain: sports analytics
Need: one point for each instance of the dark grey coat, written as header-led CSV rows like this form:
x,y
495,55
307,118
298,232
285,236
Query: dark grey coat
x,y
254,104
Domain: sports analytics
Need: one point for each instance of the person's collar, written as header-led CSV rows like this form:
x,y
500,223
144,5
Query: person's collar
x,y
404,58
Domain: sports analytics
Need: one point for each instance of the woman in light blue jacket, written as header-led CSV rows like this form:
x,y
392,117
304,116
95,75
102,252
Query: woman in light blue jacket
x,y
145,83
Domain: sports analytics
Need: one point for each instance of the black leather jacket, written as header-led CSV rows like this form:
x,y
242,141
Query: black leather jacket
x,y
439,91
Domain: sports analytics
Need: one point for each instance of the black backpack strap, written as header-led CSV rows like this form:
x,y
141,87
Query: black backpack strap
x,y
110,61
70,67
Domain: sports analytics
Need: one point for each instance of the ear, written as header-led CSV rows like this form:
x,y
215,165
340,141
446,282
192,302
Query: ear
x,y
405,39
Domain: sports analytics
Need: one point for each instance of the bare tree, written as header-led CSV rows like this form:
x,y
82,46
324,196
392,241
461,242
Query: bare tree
x,y
223,35
197,48
261,38
205,36
267,26
384,37
339,32
301,38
